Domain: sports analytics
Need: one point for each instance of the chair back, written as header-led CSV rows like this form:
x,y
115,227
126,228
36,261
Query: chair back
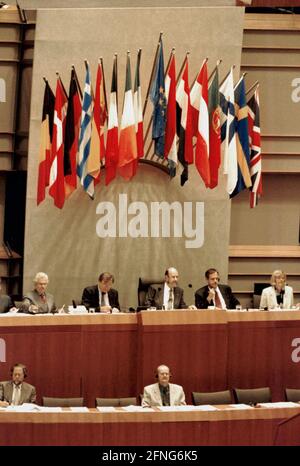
x,y
143,287
62,402
116,402
252,395
212,398
257,291
292,394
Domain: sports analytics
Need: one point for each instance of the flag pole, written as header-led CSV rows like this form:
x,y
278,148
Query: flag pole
x,y
152,73
62,84
231,68
77,82
243,75
204,61
215,69
116,74
149,124
256,84
178,77
104,86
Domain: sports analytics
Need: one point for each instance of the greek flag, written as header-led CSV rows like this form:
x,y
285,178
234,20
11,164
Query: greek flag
x,y
86,179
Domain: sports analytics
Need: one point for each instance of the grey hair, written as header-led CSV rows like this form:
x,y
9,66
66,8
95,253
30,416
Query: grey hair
x,y
39,276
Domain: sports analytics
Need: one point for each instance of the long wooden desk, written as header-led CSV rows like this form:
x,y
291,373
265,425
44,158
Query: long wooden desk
x,y
256,426
115,355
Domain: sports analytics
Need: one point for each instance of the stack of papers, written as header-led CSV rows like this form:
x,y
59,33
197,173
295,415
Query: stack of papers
x,y
79,409
50,409
107,409
137,409
240,406
280,404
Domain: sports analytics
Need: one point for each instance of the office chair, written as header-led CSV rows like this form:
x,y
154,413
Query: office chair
x,y
143,287
212,398
115,402
62,402
292,394
252,395
257,291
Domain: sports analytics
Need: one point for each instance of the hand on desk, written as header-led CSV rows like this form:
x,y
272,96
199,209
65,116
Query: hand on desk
x,y
193,307
106,309
4,404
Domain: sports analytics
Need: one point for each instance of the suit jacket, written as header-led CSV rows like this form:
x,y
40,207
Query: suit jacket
x,y
152,396
201,297
268,298
28,392
32,297
5,303
155,297
90,297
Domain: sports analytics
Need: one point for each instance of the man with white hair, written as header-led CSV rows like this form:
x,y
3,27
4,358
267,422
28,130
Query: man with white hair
x,y
38,301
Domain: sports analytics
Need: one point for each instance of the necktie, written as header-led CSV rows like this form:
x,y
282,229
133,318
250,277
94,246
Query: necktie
x,y
43,297
170,300
102,299
217,300
16,395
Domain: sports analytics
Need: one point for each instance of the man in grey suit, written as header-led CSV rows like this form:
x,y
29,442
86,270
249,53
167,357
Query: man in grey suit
x,y
163,393
167,296
16,391
38,301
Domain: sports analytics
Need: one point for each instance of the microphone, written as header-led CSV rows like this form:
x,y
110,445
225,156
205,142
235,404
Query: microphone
x,y
190,285
74,304
131,309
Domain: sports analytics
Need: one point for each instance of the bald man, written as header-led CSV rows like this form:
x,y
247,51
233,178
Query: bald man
x,y
168,295
163,393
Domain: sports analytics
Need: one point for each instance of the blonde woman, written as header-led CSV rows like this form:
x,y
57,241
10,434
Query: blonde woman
x,y
278,295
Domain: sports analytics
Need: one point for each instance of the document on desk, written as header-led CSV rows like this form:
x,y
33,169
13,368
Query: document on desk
x,y
25,407
279,404
50,409
177,408
239,406
205,408
107,409
79,409
137,409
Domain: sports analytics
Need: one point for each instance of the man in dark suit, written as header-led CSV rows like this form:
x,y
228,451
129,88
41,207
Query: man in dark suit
x,y
101,297
213,294
168,295
16,391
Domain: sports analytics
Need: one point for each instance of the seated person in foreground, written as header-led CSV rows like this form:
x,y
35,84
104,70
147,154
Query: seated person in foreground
x,y
278,295
167,296
213,294
163,393
6,302
38,301
101,297
16,391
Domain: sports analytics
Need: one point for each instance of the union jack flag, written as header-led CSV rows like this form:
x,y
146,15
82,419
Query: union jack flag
x,y
255,148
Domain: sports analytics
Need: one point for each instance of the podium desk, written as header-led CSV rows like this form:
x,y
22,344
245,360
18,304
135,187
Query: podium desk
x,y
85,355
255,426
115,355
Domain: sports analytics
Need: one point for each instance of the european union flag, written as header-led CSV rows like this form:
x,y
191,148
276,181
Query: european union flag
x,y
158,97
243,153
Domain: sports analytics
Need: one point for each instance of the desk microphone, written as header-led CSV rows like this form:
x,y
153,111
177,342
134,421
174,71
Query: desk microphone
x,y
74,304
